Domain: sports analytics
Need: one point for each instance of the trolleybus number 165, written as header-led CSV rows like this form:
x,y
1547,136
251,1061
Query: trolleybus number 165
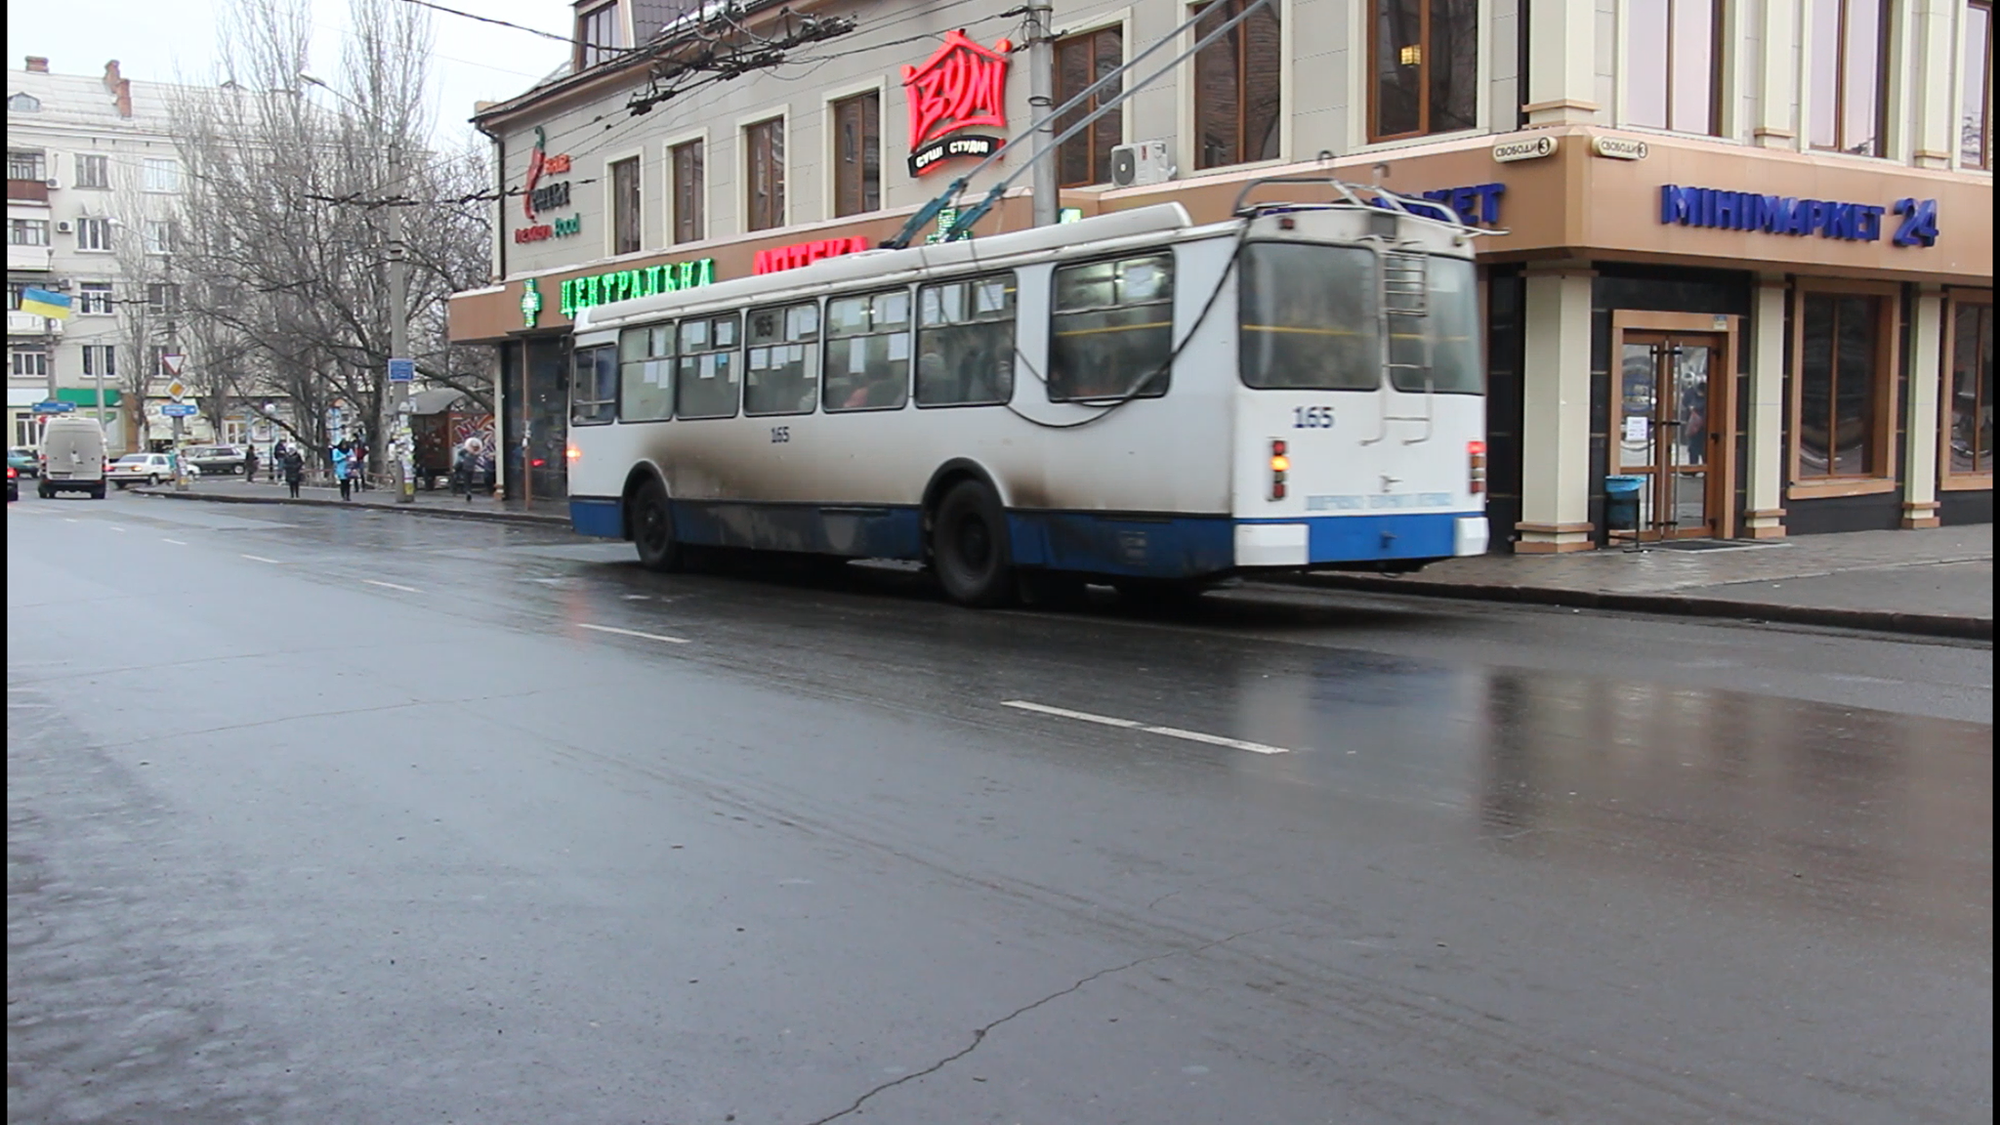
x,y
1312,417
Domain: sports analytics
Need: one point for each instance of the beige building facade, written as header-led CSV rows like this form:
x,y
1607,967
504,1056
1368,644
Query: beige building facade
x,y
1739,260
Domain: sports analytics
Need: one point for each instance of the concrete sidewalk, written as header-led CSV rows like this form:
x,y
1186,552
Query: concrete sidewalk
x,y
1937,582
235,490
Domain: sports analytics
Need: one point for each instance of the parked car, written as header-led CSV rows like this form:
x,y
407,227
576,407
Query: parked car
x,y
72,457
24,459
13,484
215,460
141,468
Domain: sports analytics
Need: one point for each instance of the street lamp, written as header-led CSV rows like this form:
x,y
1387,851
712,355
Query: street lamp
x,y
399,325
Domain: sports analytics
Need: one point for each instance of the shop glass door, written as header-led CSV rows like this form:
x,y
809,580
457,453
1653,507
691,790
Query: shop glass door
x,y
1663,435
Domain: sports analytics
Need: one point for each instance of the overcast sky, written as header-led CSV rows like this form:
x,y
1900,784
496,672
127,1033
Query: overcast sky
x,y
162,41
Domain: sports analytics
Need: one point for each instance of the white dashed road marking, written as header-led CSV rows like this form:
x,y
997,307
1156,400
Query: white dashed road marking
x,y
393,586
1129,724
633,633
261,559
175,542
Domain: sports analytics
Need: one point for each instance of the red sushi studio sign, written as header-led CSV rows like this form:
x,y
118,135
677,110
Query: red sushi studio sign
x,y
962,86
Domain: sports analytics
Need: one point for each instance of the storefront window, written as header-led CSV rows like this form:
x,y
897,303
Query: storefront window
x,y
1085,159
1424,55
1840,368
1850,43
1975,142
1672,66
1236,87
1971,438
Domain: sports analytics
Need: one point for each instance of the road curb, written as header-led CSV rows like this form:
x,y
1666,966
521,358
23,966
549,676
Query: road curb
x,y
348,505
1836,617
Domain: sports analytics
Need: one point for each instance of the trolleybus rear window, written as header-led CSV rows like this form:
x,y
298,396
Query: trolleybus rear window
x,y
646,373
868,351
1112,330
1309,317
708,368
965,341
593,389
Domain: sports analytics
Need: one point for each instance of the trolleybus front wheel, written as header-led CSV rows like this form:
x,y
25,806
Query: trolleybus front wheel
x,y
969,547
653,528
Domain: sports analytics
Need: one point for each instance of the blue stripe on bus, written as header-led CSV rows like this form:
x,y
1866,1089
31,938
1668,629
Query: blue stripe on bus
x,y
1132,546
1399,535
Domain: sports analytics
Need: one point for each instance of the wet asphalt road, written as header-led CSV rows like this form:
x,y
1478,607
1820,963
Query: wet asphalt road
x,y
340,816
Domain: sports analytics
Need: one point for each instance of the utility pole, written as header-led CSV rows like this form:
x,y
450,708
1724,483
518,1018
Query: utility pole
x,y
399,337
1041,97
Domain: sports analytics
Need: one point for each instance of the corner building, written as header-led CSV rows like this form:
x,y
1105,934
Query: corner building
x,y
1740,251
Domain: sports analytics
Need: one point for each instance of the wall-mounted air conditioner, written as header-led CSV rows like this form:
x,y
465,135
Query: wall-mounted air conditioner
x,y
1137,165
53,182
64,227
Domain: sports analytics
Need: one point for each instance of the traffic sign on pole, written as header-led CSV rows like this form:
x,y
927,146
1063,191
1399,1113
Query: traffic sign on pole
x,y
54,407
402,370
177,409
172,362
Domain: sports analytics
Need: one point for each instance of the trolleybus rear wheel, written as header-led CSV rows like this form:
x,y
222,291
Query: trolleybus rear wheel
x,y
969,547
653,528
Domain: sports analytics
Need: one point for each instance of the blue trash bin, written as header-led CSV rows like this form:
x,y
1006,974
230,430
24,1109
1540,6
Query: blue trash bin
x,y
1621,502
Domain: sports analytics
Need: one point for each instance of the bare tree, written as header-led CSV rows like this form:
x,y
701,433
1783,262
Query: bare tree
x,y
290,180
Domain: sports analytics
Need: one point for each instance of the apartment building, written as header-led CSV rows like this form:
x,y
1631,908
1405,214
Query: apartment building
x,y
1739,249
93,184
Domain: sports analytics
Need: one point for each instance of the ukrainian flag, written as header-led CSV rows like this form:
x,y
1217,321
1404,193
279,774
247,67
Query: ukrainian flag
x,y
41,302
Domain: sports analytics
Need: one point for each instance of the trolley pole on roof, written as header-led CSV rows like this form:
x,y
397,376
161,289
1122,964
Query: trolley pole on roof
x,y
1041,99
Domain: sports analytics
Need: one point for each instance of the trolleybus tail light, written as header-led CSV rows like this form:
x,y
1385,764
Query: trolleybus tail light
x,y
1475,467
574,454
1279,463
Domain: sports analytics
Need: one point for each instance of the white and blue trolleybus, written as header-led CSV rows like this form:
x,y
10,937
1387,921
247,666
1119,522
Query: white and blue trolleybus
x,y
1132,399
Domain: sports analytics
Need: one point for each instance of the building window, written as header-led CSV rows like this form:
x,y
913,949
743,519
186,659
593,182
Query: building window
x,y
93,234
93,298
163,297
161,236
1236,87
764,144
27,428
24,165
1673,65
1842,369
156,361
16,293
24,103
1850,45
100,359
1975,139
162,174
857,158
27,232
1970,442
690,192
625,220
93,171
1081,60
29,364
1424,55
599,35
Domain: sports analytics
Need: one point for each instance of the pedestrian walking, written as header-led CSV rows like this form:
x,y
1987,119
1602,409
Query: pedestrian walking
x,y
465,469
250,465
341,461
294,465
357,460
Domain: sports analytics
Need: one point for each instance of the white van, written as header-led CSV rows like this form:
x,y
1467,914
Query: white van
x,y
72,456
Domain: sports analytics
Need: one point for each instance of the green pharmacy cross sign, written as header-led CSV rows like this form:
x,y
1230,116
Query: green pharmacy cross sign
x,y
531,302
623,285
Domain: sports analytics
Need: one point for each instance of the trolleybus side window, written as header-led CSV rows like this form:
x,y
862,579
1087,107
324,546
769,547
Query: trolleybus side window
x,y
646,373
782,372
593,388
1453,325
1112,329
706,374
868,351
1309,317
965,341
